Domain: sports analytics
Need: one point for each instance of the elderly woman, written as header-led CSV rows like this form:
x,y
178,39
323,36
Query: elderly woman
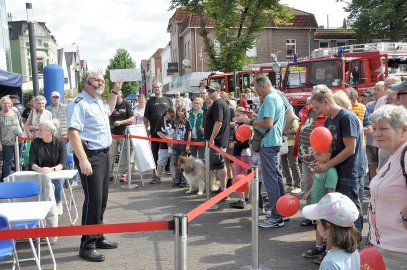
x,y
48,154
388,203
10,128
36,116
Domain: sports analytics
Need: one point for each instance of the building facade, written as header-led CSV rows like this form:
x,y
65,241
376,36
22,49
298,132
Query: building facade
x,y
5,52
47,51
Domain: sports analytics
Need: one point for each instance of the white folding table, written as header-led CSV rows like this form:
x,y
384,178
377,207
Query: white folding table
x,y
68,175
29,211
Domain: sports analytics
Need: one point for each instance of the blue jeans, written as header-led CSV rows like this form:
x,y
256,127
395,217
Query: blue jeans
x,y
351,188
8,153
272,176
58,184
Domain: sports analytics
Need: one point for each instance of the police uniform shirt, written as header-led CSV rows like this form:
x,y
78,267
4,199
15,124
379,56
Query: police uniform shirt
x,y
91,118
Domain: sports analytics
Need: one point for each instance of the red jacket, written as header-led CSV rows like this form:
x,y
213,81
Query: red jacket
x,y
320,121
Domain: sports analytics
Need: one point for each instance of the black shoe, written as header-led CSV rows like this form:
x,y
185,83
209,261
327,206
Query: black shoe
x,y
91,255
105,244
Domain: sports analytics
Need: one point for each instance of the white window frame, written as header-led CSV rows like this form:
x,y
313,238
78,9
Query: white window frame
x,y
288,43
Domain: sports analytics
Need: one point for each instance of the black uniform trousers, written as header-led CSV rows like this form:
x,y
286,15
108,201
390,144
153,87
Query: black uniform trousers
x,y
96,189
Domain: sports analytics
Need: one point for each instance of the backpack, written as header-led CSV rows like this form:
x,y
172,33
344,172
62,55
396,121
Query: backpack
x,y
402,163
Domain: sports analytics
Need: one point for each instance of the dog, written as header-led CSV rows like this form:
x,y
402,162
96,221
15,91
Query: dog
x,y
194,172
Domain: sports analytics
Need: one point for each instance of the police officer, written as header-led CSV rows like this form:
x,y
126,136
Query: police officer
x,y
90,137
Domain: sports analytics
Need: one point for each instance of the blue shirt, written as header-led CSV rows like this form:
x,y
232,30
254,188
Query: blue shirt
x,y
272,107
339,259
347,124
91,118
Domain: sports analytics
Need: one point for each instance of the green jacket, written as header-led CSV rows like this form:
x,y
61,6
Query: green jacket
x,y
199,119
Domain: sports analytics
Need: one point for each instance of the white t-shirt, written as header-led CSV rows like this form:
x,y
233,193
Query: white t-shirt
x,y
388,191
187,103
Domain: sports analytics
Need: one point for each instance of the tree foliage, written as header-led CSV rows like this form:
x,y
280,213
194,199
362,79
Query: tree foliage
x,y
236,23
121,60
379,19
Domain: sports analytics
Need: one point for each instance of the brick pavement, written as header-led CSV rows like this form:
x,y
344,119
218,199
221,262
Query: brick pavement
x,y
217,240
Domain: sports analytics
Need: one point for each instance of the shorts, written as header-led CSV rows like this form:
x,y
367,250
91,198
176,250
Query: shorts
x,y
162,157
217,161
372,154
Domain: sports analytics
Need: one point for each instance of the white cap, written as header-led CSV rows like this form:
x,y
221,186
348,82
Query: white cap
x,y
335,208
55,93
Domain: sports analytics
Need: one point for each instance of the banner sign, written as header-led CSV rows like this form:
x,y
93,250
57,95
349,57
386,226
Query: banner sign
x,y
127,75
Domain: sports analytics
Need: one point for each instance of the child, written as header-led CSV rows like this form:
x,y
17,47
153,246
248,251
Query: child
x,y
182,129
241,150
165,131
322,183
335,215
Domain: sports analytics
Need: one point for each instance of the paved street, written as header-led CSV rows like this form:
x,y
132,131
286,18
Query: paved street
x,y
217,240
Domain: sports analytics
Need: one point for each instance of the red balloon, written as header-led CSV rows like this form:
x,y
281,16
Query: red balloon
x,y
287,205
244,187
320,139
371,259
243,133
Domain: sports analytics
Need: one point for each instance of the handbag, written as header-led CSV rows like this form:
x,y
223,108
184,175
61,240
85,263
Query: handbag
x,y
284,146
256,139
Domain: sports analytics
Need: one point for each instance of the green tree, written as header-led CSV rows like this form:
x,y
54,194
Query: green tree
x,y
380,19
237,24
121,60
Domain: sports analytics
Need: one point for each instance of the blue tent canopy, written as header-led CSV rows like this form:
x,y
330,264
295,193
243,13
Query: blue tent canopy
x,y
132,96
10,84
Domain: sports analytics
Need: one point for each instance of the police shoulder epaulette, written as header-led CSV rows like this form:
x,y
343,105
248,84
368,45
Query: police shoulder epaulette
x,y
78,99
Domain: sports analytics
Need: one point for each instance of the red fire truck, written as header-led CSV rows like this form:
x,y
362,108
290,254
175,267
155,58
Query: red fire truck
x,y
232,82
360,66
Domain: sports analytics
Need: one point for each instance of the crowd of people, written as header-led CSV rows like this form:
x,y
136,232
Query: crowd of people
x,y
368,148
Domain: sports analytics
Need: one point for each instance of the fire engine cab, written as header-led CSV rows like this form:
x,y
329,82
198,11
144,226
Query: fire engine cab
x,y
360,66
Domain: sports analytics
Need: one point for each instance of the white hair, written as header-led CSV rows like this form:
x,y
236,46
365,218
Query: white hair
x,y
395,115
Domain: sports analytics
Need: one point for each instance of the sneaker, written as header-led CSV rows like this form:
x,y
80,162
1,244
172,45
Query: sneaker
x,y
268,214
123,179
296,190
319,259
156,180
271,223
238,204
314,252
60,208
288,189
74,183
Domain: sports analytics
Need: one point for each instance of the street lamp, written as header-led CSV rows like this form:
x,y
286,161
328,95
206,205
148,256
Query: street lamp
x,y
77,66
33,47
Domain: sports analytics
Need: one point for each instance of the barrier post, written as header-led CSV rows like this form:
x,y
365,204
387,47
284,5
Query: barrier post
x,y
207,171
255,219
129,164
16,156
181,235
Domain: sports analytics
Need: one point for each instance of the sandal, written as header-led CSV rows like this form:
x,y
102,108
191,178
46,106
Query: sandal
x,y
306,222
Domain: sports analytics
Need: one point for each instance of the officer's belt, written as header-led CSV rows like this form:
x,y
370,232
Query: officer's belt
x,y
104,150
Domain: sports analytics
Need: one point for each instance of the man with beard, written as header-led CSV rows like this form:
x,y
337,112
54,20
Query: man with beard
x,y
90,137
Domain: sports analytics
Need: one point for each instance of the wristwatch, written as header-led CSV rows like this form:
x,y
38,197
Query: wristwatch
x,y
116,93
403,218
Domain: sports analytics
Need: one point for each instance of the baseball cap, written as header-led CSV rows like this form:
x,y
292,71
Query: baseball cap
x,y
367,93
400,86
335,208
213,87
55,93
